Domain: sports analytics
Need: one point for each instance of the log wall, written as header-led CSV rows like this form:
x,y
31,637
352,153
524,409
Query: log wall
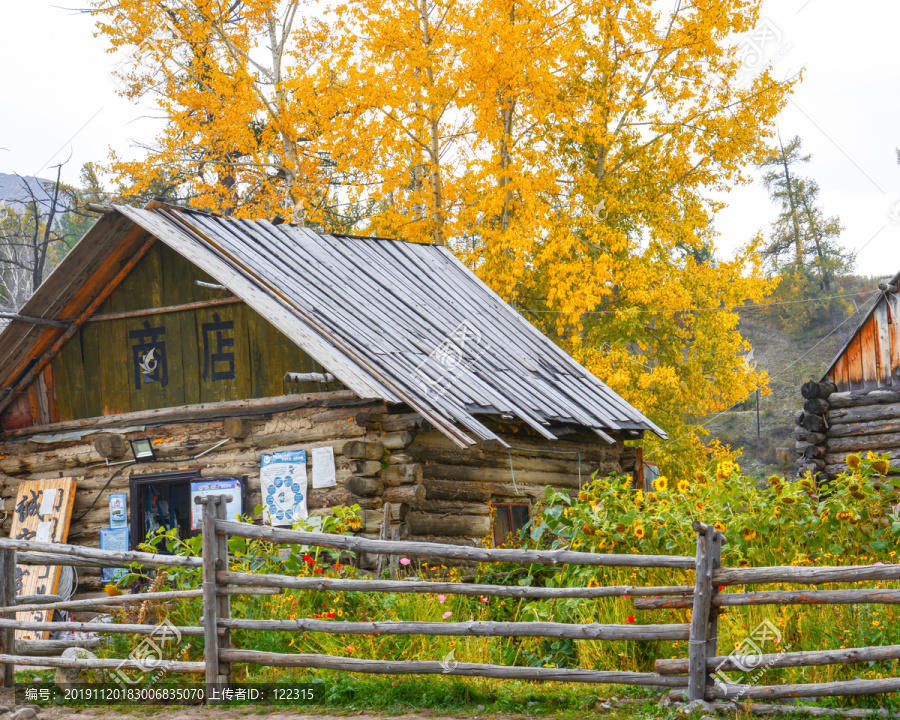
x,y
835,424
384,457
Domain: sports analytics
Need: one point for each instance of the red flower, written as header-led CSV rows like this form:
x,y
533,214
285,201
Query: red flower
x,y
308,559
329,614
721,588
318,571
338,566
629,619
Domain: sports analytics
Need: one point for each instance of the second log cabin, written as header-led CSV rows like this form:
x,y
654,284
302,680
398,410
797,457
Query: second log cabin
x,y
176,352
855,406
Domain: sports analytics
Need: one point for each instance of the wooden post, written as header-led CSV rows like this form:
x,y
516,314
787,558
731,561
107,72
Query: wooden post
x,y
712,629
8,598
700,615
224,600
214,680
384,534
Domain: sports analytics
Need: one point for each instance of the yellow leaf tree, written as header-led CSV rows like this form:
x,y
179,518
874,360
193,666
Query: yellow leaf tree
x,y
567,151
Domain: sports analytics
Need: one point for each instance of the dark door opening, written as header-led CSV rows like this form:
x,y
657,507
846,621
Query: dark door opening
x,y
163,501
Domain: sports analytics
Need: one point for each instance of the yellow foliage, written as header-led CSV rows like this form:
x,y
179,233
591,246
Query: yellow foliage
x,y
566,151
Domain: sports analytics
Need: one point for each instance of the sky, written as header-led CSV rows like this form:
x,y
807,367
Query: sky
x,y
58,101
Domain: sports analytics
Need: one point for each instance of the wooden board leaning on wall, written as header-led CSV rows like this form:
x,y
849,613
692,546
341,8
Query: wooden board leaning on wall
x,y
42,512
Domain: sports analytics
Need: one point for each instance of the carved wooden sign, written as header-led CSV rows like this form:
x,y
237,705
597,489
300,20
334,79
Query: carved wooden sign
x,y
42,513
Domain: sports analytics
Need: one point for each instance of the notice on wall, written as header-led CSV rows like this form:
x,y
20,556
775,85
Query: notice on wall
x,y
113,539
118,510
323,474
42,513
282,478
234,508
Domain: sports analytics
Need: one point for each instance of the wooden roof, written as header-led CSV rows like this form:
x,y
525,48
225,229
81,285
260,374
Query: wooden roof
x,y
870,359
403,322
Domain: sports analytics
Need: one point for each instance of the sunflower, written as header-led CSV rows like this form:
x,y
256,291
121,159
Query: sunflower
x,y
699,505
664,503
588,530
743,562
593,583
583,496
639,532
748,534
807,484
774,480
720,526
843,515
854,487
639,497
788,500
661,483
857,496
880,466
683,486
701,478
853,461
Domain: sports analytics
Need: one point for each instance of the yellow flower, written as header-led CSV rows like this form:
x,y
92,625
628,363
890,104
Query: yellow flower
x,y
880,466
593,583
683,486
112,590
639,497
853,461
774,480
699,506
843,515
639,532
661,483
719,526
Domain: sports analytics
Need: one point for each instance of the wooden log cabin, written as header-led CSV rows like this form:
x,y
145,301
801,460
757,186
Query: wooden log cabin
x,y
200,345
855,406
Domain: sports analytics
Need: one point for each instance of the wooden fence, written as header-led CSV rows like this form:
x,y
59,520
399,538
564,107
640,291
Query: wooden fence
x,y
699,676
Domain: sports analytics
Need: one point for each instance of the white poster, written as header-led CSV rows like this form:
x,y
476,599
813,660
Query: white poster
x,y
282,478
323,467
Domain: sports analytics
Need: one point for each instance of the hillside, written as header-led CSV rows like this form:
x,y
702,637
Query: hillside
x,y
790,360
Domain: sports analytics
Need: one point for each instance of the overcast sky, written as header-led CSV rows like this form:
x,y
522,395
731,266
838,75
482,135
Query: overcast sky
x,y
59,99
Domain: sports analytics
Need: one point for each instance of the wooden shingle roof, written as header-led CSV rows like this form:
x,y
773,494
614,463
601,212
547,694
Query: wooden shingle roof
x,y
403,322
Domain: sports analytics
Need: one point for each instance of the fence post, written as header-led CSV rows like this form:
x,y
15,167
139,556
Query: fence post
x,y
712,631
700,614
8,597
210,599
224,601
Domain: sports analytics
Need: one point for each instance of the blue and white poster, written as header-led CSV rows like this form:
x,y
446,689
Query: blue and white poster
x,y
234,508
118,510
282,479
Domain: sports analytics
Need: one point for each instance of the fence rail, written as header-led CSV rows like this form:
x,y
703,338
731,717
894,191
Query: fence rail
x,y
699,676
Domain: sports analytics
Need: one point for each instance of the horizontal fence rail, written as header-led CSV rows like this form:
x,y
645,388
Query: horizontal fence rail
x,y
424,586
426,667
779,597
456,552
478,628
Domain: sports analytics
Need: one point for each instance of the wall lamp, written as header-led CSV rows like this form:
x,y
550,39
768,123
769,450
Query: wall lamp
x,y
143,450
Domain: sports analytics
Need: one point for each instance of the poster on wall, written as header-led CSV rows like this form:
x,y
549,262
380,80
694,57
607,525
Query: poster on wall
x,y
233,509
113,539
282,479
118,515
323,473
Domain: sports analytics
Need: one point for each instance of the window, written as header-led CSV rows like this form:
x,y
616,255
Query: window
x,y
508,518
163,501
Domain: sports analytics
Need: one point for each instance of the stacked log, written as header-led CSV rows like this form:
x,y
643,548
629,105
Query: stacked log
x,y
812,426
861,421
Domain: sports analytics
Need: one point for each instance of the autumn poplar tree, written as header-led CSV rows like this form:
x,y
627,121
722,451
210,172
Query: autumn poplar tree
x,y
566,151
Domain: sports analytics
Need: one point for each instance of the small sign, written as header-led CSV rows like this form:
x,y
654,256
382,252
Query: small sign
x,y
282,477
233,509
118,515
113,539
48,500
323,474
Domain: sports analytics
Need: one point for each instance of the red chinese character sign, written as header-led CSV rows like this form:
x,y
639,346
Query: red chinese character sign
x,y
42,513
